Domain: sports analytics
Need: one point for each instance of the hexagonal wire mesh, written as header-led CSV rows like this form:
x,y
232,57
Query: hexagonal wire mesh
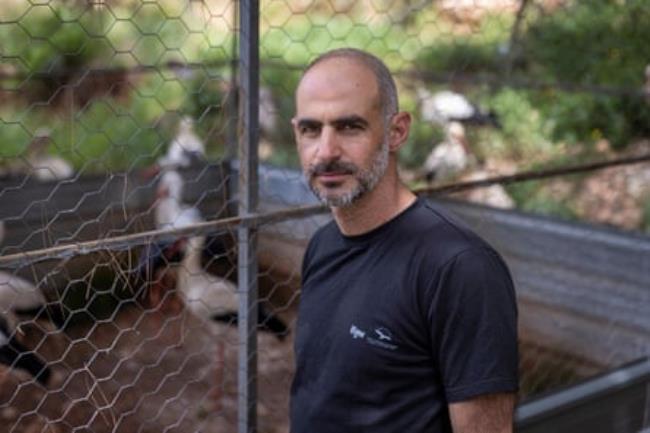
x,y
120,117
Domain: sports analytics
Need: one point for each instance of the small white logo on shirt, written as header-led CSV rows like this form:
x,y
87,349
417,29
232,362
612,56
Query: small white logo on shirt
x,y
356,332
383,337
383,334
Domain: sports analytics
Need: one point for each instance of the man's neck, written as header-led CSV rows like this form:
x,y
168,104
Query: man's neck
x,y
386,201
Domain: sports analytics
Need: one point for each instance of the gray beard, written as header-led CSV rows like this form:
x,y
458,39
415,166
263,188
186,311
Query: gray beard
x,y
367,180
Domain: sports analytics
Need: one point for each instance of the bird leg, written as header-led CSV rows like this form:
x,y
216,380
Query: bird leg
x,y
217,391
161,295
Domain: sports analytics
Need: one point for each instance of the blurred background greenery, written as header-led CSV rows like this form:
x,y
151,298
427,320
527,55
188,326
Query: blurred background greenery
x,y
111,81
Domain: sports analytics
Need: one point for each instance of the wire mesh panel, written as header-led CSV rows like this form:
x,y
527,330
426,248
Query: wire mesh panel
x,y
124,132
115,121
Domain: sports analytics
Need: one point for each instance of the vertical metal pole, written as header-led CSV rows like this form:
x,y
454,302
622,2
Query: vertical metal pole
x,y
248,197
232,102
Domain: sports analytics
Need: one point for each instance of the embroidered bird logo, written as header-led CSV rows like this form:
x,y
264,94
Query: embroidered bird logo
x,y
383,334
356,332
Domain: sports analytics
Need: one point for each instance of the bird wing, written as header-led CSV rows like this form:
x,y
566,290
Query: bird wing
x,y
174,157
170,214
183,149
191,143
445,160
48,168
453,105
208,294
187,216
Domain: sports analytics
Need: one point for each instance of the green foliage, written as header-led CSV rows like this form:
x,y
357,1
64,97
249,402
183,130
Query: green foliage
x,y
302,38
14,138
594,43
207,96
53,45
597,42
17,129
477,52
58,39
117,135
286,157
207,101
532,197
524,131
282,83
458,56
586,119
106,138
47,40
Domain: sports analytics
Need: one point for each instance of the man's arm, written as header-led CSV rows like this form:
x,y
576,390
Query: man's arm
x,y
490,413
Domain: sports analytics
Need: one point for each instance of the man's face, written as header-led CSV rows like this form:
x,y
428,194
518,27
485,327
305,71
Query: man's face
x,y
340,131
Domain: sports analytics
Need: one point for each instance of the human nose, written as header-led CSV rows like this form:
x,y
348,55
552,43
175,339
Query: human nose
x,y
329,147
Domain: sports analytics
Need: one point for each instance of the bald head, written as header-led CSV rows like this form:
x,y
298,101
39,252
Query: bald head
x,y
386,89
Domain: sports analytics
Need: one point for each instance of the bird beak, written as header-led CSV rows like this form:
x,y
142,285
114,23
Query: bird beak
x,y
150,172
174,254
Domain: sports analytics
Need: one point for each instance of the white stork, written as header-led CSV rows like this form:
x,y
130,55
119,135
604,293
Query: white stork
x,y
450,157
446,106
208,296
16,293
185,148
39,164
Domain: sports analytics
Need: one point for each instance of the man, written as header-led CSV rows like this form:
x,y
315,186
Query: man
x,y
407,320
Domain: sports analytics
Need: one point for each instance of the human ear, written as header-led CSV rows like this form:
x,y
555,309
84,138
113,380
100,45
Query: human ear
x,y
400,127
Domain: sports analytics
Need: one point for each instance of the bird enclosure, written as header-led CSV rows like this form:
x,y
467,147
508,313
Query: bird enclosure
x,y
153,215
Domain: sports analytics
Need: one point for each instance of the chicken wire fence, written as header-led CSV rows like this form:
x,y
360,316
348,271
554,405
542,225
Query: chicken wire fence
x,y
153,223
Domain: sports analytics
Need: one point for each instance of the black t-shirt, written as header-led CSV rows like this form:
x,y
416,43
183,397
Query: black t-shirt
x,y
396,323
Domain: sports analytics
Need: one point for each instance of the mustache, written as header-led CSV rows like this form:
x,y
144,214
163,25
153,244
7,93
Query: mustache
x,y
333,167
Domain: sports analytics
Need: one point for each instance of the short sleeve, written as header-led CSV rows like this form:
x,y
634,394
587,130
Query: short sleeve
x,y
473,316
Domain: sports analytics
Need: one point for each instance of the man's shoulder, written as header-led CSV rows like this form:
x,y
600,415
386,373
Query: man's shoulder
x,y
434,238
438,228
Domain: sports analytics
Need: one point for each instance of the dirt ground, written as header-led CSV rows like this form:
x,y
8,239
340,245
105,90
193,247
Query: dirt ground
x,y
152,371
143,371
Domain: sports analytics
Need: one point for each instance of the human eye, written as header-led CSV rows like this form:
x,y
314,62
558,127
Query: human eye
x,y
351,127
309,129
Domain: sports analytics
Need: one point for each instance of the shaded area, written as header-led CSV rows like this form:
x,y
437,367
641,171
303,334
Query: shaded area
x,y
142,372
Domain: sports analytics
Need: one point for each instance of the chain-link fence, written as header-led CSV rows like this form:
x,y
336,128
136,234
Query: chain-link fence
x,y
153,219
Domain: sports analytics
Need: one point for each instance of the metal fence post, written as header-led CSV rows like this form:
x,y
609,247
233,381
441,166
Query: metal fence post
x,y
248,197
232,103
